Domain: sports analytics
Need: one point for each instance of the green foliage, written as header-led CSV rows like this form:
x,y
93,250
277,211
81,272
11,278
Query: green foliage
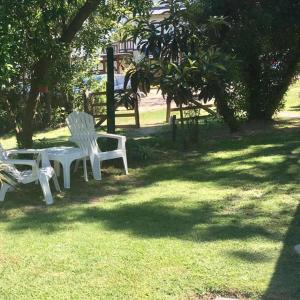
x,y
191,126
264,36
39,38
58,117
139,153
242,54
140,76
185,65
6,121
176,79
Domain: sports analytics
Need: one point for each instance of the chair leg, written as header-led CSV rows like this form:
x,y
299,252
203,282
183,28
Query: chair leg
x,y
57,168
124,157
96,168
4,188
44,182
85,170
56,184
76,165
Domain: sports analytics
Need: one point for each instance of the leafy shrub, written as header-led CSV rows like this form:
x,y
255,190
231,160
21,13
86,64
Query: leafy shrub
x,y
58,117
138,152
6,122
191,126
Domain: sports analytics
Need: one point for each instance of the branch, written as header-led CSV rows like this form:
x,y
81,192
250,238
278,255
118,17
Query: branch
x,y
85,11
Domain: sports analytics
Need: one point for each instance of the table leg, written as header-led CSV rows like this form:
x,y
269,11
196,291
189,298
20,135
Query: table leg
x,y
85,170
57,168
76,165
66,170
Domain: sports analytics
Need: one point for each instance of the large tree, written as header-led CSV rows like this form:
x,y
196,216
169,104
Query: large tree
x,y
264,36
244,53
36,34
185,62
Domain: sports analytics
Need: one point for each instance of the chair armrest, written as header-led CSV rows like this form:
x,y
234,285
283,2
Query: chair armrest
x,y
24,151
42,156
111,136
25,162
121,138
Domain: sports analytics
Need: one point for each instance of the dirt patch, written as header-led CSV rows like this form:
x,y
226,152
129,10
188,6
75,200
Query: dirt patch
x,y
153,101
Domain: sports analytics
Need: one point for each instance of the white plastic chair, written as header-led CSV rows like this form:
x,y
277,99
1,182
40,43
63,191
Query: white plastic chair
x,y
37,174
82,128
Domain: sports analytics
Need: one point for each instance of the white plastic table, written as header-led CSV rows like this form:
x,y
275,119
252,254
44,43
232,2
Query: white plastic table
x,y
65,156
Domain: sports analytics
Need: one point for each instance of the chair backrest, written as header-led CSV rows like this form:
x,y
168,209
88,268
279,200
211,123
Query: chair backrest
x,y
82,128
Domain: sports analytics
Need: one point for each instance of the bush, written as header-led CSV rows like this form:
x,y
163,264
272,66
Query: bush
x,y
6,121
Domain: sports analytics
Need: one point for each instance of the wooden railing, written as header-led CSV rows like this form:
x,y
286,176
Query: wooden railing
x,y
102,117
194,104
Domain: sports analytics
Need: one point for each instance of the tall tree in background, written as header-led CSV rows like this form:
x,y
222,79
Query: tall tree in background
x,y
243,54
35,34
264,36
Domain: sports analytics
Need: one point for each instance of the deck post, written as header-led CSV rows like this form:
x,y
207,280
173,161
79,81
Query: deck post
x,y
181,114
136,112
110,91
168,111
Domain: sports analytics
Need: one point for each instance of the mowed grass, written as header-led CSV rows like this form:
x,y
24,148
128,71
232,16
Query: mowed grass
x,y
292,98
220,219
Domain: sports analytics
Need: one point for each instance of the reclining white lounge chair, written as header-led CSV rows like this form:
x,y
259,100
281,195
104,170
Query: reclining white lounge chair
x,y
41,174
82,128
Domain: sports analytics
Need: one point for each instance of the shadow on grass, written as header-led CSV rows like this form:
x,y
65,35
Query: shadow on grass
x,y
294,108
152,220
230,162
285,282
250,256
268,161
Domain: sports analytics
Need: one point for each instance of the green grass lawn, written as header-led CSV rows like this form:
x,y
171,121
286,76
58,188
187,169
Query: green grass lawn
x,y
292,98
221,218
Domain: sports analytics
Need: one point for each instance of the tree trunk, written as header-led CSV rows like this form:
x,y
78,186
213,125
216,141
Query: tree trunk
x,y
253,85
68,103
48,107
223,108
41,69
86,106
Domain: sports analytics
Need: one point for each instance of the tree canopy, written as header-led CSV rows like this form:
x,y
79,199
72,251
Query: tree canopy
x,y
37,35
243,54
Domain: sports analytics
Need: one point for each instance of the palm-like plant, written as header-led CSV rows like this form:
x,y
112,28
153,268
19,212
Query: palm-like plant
x,y
184,61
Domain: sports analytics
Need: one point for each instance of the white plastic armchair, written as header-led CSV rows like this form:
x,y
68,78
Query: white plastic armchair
x,y
82,128
41,171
